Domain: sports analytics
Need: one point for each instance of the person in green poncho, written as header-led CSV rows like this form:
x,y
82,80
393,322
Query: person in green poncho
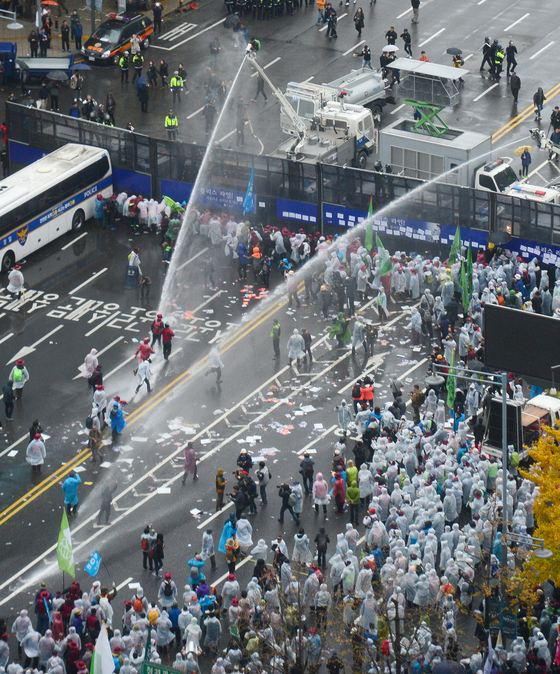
x,y
341,331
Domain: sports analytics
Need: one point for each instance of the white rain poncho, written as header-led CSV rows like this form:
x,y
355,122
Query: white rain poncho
x,y
296,346
260,551
244,532
301,553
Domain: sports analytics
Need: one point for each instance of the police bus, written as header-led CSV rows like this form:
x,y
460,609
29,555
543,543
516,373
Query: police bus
x,y
50,197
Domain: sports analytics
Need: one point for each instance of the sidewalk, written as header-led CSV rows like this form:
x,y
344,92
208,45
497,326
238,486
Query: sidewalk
x,y
109,7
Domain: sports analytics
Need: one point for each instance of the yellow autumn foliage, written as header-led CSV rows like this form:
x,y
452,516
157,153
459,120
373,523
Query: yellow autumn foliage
x,y
544,472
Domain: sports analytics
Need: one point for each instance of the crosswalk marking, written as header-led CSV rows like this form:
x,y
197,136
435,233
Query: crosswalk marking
x,y
177,32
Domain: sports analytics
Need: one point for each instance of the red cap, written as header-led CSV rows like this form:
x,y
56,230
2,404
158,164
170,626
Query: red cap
x,y
231,577
146,339
20,362
167,575
100,387
37,436
159,316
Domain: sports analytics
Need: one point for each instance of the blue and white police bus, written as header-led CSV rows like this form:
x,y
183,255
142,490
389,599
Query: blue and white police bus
x,y
50,197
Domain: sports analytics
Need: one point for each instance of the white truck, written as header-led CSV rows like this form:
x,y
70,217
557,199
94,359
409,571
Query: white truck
x,y
338,132
360,87
498,176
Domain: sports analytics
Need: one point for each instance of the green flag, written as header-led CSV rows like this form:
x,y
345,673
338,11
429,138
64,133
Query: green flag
x,y
368,243
455,246
464,288
64,548
451,382
469,267
385,264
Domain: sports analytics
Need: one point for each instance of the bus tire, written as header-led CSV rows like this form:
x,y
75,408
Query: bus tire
x,y
78,220
8,262
361,160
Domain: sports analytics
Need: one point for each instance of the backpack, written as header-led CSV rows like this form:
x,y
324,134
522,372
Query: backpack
x,y
308,470
145,545
321,542
18,374
356,391
158,328
514,460
292,498
168,588
42,601
137,605
89,423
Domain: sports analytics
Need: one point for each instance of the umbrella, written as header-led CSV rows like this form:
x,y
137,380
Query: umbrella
x,y
80,66
455,51
57,75
499,238
231,21
22,64
49,2
390,48
173,205
524,148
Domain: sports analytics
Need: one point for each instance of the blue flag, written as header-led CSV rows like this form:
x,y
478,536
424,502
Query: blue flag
x,y
248,201
92,567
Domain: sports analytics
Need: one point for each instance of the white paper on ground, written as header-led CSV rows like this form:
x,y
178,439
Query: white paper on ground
x,y
105,464
44,436
164,490
206,441
318,427
166,436
189,430
106,442
195,511
307,409
79,469
133,586
159,440
136,438
126,448
253,438
12,453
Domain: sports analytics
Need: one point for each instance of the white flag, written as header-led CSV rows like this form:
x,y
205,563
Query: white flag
x,y
103,662
489,660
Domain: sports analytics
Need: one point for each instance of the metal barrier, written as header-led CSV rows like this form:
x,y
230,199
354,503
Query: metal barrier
x,y
285,189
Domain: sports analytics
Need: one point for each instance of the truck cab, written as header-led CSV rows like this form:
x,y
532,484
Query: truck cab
x,y
499,176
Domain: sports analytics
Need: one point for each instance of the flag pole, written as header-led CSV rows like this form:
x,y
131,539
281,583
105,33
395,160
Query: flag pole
x,y
106,569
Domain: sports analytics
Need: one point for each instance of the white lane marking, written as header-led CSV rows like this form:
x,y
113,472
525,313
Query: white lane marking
x,y
468,57
116,369
221,579
99,353
268,65
208,300
14,444
439,32
100,325
26,350
485,92
188,39
481,2
6,338
414,367
92,278
74,241
310,78
314,442
352,48
397,109
228,135
516,22
228,505
541,51
125,582
324,28
400,16
177,32
196,112
378,358
192,258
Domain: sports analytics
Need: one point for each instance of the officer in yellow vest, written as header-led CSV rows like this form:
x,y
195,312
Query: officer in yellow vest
x,y
171,125
176,86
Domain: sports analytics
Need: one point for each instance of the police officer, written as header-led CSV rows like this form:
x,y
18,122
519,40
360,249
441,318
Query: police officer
x,y
137,62
107,121
499,56
176,86
511,51
171,125
124,63
158,11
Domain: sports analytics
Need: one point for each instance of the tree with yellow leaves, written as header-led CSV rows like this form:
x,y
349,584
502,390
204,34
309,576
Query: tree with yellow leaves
x,y
545,473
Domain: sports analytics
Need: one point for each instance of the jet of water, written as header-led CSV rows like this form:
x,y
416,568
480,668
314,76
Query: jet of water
x,y
184,233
